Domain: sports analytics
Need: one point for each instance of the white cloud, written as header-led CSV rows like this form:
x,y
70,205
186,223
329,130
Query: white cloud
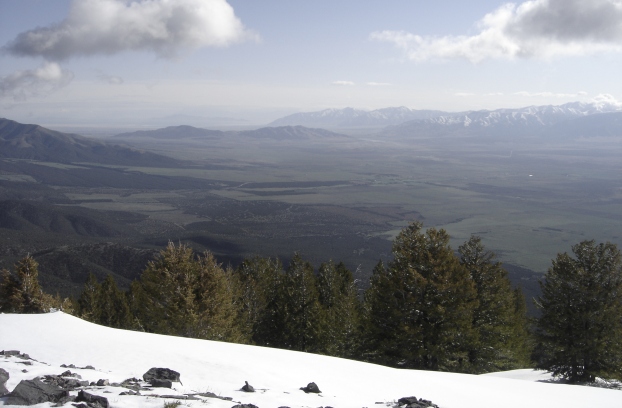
x,y
607,100
24,84
165,27
343,83
533,29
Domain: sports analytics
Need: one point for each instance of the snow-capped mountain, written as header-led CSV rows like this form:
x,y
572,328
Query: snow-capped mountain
x,y
532,120
355,118
57,345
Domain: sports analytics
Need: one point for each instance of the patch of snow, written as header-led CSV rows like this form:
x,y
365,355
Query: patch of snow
x,y
222,368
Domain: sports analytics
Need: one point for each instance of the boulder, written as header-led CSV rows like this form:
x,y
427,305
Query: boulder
x,y
245,406
157,383
31,392
161,374
311,387
92,401
4,377
102,382
10,353
247,387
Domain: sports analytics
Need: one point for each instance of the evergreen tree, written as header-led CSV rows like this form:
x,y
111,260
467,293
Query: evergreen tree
x,y
340,307
580,328
299,311
499,318
22,293
420,308
185,296
9,285
88,302
113,306
259,291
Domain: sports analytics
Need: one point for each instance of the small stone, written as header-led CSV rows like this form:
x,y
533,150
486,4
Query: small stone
x,y
102,383
247,387
311,388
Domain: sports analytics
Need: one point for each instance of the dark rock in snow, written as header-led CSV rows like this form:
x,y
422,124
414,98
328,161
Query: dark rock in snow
x,y
245,406
311,387
102,382
247,387
161,374
413,402
31,392
10,353
92,401
157,383
4,377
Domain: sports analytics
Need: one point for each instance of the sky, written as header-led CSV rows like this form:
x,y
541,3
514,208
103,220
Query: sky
x,y
132,62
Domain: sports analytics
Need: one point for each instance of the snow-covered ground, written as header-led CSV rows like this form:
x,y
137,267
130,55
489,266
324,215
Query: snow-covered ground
x,y
221,368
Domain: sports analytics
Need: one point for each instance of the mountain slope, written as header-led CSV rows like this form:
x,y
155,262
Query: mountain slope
x,y
355,118
20,141
222,368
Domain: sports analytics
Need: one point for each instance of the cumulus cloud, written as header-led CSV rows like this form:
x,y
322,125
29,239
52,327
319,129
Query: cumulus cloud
x,y
533,29
603,100
165,27
343,83
24,84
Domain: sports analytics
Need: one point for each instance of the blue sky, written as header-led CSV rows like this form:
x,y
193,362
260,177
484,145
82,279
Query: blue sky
x,y
103,62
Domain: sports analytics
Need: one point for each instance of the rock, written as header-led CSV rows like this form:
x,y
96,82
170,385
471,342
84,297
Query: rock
x,y
157,383
161,374
413,402
93,401
102,383
31,392
4,377
247,387
407,400
10,353
311,387
245,406
88,367
68,366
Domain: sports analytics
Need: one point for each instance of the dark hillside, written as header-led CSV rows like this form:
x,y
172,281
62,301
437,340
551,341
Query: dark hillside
x,y
20,141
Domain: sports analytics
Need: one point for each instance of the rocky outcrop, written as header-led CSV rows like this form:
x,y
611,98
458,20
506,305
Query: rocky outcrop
x,y
4,377
31,392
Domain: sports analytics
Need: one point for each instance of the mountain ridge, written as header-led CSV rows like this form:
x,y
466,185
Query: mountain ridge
x,y
34,142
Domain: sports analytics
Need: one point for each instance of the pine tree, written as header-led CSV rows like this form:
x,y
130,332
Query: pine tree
x,y
259,291
113,306
580,328
499,318
88,302
299,311
340,309
22,293
420,308
186,296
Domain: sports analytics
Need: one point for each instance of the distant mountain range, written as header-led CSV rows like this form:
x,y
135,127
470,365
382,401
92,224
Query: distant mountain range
x,y
571,121
356,118
23,141
280,133
403,120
